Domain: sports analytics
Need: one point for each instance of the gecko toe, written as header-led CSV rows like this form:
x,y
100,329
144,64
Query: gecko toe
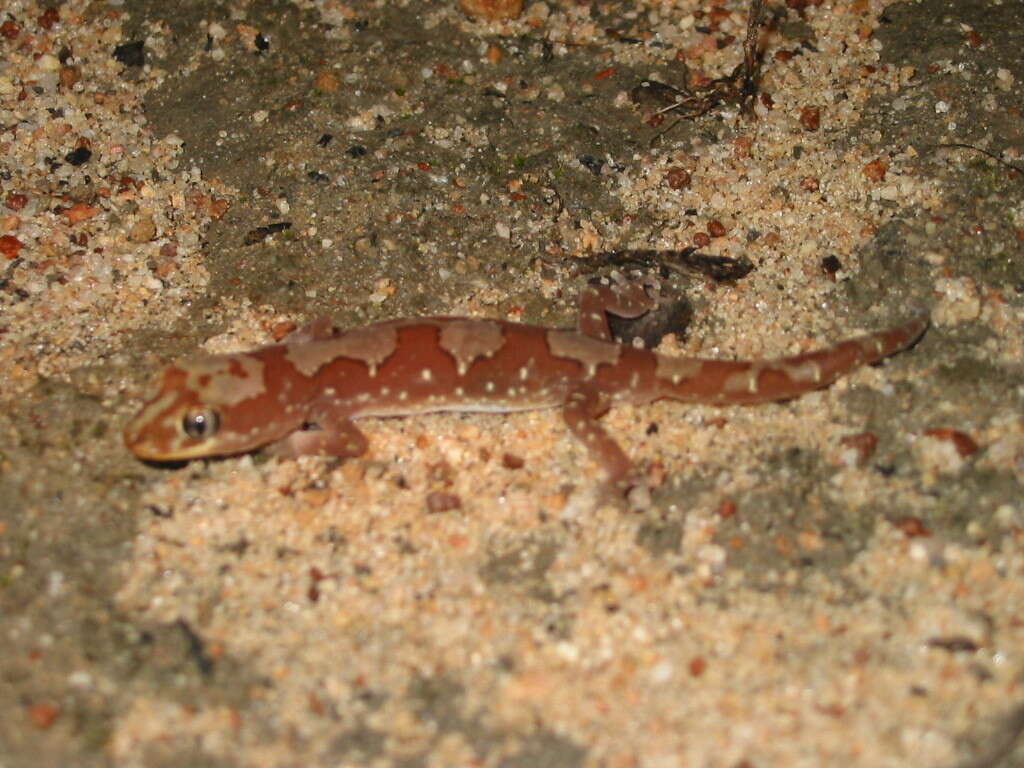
x,y
638,498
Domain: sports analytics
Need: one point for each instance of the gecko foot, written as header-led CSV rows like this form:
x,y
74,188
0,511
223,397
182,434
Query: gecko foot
x,y
639,497
630,495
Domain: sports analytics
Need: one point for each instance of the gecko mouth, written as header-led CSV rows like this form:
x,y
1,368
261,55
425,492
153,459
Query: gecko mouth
x,y
148,452
148,449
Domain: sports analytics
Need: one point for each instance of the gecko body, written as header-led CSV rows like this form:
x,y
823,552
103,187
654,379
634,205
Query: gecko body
x,y
303,395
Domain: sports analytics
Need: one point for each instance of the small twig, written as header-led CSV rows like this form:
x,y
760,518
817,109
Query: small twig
x,y
738,87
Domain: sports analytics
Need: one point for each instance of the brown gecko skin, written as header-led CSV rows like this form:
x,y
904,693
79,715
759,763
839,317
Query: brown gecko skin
x,y
228,404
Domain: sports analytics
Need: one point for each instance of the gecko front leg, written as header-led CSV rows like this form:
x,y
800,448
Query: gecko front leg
x,y
331,434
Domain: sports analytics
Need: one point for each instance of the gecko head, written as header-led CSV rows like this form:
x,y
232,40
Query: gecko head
x,y
203,406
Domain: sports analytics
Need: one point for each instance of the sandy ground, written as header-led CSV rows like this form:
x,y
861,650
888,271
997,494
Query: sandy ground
x,y
834,580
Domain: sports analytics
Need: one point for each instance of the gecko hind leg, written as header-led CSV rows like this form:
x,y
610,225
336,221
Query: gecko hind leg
x,y
623,298
581,412
316,330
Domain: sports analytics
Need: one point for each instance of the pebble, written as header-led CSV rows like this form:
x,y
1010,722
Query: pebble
x,y
492,10
143,230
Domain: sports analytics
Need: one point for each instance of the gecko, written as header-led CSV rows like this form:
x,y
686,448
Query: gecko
x,y
303,396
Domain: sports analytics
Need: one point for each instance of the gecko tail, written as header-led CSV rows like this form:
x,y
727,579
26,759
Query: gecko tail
x,y
744,382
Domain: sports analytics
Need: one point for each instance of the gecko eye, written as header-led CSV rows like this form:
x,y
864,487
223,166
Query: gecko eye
x,y
201,424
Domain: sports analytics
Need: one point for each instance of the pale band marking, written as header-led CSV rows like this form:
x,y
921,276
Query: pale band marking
x,y
372,345
231,379
807,372
467,340
149,414
586,350
677,369
744,381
